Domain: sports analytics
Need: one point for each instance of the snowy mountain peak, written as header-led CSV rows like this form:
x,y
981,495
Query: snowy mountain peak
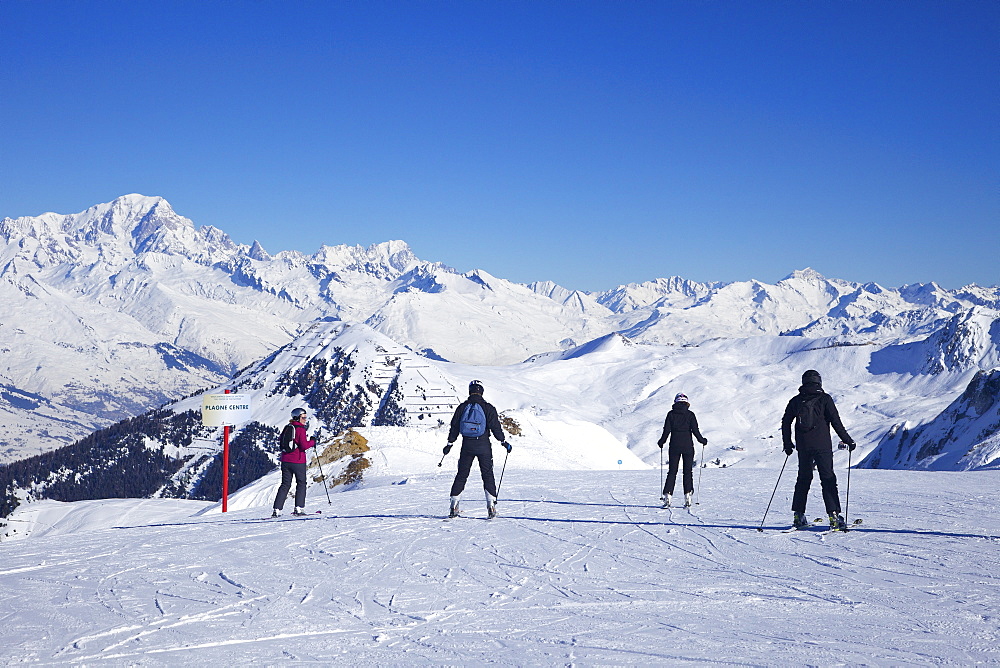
x,y
387,260
118,230
257,252
609,344
130,216
808,274
672,291
348,375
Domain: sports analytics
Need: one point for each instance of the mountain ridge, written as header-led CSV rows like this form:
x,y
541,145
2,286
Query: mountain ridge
x,y
128,305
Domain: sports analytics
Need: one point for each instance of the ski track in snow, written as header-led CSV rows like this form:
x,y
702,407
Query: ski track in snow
x,y
580,567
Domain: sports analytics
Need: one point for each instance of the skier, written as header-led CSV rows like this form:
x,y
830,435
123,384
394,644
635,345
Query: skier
x,y
679,425
475,419
813,412
293,464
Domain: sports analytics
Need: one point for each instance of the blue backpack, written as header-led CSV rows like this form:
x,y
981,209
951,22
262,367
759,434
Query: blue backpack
x,y
473,424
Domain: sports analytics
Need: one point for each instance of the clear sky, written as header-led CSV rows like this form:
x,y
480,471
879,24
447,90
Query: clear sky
x,y
588,143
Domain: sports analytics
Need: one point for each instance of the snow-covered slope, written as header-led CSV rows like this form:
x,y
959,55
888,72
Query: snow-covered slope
x,y
965,436
476,318
581,568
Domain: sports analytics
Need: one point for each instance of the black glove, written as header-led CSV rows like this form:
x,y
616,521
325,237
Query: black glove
x,y
447,448
507,445
851,445
660,443
789,449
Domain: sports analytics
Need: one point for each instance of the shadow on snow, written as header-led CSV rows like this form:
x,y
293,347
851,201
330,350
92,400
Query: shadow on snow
x,y
563,520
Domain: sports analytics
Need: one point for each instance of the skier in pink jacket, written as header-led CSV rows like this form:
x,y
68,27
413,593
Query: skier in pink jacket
x,y
293,464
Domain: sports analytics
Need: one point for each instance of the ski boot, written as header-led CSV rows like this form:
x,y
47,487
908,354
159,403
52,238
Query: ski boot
x,y
275,513
666,501
799,521
837,522
454,507
298,512
687,499
491,506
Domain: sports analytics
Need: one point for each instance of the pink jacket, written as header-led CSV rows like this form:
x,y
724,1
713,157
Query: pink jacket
x,y
298,455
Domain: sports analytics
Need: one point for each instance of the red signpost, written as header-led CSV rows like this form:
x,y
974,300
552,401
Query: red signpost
x,y
225,466
225,410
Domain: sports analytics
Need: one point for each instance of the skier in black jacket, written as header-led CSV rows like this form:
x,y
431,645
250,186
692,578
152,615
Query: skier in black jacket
x,y
813,412
475,446
679,425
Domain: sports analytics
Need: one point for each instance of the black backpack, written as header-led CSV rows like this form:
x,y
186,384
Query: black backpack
x,y
810,414
287,442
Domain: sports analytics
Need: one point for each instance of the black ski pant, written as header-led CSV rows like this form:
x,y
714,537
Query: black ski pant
x,y
485,455
685,452
289,471
822,458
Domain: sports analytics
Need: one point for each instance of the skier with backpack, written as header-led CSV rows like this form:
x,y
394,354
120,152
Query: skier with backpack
x,y
475,419
813,413
679,426
293,443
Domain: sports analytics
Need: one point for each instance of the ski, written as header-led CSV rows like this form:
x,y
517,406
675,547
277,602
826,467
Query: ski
x,y
793,529
818,522
293,515
844,529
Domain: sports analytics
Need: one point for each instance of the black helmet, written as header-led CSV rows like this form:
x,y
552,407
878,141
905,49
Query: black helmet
x,y
298,412
812,376
475,387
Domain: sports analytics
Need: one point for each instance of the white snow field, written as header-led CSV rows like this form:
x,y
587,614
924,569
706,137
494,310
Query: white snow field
x,y
582,567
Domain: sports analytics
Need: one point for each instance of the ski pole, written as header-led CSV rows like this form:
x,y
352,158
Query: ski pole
x,y
446,451
501,475
761,527
847,501
701,465
661,473
322,476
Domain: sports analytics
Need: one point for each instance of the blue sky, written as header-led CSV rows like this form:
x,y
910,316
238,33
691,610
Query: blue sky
x,y
588,143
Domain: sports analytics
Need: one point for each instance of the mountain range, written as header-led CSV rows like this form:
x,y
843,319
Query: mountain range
x,y
128,309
